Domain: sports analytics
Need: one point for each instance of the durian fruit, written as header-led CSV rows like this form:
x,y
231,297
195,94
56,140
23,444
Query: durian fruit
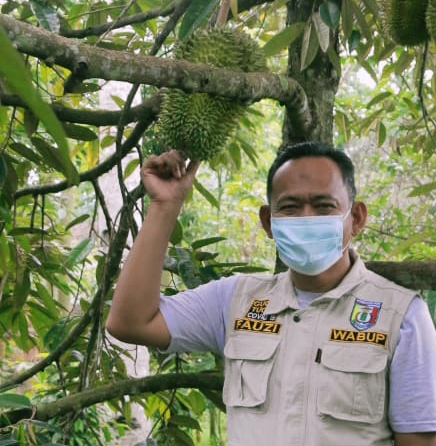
x,y
430,19
404,20
198,124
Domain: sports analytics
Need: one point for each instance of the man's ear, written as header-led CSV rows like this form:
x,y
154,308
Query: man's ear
x,y
359,213
265,219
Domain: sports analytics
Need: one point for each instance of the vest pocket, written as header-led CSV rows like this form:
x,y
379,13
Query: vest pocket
x,y
352,382
248,367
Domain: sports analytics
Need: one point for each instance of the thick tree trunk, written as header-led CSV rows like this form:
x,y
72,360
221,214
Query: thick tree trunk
x,y
319,80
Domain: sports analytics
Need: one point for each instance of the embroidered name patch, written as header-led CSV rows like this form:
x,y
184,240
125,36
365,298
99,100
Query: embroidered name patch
x,y
259,326
256,320
364,314
366,337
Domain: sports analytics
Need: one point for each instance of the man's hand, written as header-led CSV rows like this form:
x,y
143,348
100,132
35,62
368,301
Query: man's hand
x,y
166,177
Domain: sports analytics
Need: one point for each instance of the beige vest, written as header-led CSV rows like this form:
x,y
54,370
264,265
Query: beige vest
x,y
316,376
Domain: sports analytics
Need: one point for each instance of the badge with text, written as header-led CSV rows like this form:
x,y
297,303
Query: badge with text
x,y
256,320
363,337
364,314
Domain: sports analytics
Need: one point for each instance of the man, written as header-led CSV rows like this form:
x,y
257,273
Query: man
x,y
325,354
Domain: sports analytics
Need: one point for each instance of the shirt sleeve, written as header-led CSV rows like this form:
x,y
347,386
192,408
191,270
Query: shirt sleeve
x,y
196,318
412,405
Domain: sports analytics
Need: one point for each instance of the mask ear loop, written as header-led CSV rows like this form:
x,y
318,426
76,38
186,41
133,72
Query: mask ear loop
x,y
343,218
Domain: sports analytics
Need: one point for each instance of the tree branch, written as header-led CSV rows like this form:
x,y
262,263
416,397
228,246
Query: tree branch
x,y
98,30
95,62
134,386
95,172
149,108
416,275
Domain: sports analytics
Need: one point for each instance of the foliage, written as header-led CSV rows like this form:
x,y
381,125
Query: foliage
x,y
61,245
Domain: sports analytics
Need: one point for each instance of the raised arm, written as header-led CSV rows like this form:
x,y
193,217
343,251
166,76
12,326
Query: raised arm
x,y
134,316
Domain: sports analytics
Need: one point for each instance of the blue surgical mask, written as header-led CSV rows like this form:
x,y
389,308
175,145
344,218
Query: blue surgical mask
x,y
309,245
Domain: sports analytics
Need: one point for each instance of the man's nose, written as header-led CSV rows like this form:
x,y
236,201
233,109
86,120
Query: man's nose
x,y
308,211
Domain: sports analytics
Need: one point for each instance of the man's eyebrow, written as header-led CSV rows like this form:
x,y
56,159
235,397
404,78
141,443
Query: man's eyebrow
x,y
323,197
312,197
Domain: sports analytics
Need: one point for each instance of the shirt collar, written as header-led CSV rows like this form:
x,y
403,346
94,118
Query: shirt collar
x,y
282,294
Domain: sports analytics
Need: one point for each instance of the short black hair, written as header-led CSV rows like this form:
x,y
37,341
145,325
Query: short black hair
x,y
288,152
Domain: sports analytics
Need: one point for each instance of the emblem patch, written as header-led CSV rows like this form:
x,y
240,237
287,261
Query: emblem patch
x,y
364,314
366,337
256,320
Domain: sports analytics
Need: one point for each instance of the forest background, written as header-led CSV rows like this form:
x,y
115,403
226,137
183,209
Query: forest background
x,y
336,73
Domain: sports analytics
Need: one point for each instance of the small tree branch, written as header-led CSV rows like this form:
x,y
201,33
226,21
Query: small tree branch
x,y
98,118
95,172
134,386
98,30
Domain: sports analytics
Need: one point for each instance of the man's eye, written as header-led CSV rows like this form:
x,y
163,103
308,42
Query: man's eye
x,y
288,207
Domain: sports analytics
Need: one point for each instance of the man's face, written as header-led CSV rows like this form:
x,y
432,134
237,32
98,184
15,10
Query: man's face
x,y
309,187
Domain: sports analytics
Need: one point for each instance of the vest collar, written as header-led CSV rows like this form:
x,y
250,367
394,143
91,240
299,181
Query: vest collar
x,y
282,294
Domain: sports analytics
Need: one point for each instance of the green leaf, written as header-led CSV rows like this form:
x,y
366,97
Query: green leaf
x,y
381,133
196,402
249,269
343,125
130,168
14,401
11,183
51,155
47,299
206,194
354,40
9,442
283,39
79,132
22,288
330,14
46,15
177,234
30,123
378,98
189,274
334,59
17,77
347,18
55,335
25,152
322,31
205,242
185,421
234,8
197,12
80,252
235,154
361,20
423,189
3,171
181,437
25,230
77,221
372,7
310,46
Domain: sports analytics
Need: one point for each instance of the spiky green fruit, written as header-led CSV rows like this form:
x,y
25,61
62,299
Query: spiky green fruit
x,y
430,19
404,20
198,124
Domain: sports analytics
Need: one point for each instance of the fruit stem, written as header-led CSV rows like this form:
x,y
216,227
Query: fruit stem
x,y
223,12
